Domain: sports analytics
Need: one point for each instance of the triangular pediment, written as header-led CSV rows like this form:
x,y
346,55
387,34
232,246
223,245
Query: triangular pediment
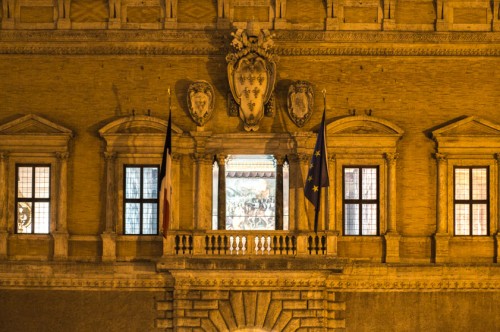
x,y
362,125
32,124
137,124
470,126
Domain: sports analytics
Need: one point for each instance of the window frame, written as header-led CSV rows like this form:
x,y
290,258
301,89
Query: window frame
x,y
33,199
141,200
470,202
360,201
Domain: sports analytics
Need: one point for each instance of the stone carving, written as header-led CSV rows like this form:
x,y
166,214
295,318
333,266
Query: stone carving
x,y
252,73
201,102
300,102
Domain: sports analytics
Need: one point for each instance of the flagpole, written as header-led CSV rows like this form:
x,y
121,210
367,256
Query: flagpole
x,y
317,208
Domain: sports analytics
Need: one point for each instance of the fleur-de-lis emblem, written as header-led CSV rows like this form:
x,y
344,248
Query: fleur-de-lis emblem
x,y
256,92
251,106
251,79
260,79
246,92
241,78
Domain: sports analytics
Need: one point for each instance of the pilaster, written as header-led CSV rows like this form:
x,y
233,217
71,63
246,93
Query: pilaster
x,y
60,233
114,21
392,237
60,245
221,202
4,158
302,169
496,16
442,198
202,208
223,20
279,191
8,21
63,20
108,246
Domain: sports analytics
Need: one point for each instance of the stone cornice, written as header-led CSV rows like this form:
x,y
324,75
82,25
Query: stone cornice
x,y
288,43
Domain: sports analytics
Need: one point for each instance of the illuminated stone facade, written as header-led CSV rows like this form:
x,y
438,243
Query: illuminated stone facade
x,y
412,89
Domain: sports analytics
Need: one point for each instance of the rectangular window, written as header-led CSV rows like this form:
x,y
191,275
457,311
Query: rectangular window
x,y
32,199
471,200
361,200
141,200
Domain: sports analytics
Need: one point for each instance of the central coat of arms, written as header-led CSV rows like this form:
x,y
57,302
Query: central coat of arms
x,y
252,73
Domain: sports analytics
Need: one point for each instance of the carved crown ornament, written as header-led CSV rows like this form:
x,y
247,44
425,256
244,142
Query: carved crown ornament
x,y
300,102
251,73
201,101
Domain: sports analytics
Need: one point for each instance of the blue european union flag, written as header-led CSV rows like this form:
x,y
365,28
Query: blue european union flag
x,y
317,177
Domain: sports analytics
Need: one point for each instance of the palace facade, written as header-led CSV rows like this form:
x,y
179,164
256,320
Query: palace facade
x,y
408,229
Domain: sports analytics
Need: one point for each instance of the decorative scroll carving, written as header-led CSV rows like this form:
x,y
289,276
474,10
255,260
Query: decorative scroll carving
x,y
252,73
201,102
300,102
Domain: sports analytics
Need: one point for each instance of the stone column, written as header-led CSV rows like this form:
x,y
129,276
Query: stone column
x,y
63,21
109,235
223,21
391,236
4,234
221,206
302,217
332,201
203,204
442,237
280,15
60,234
8,21
496,254
279,191
114,21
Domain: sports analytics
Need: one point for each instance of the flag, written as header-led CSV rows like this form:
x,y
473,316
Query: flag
x,y
317,177
165,179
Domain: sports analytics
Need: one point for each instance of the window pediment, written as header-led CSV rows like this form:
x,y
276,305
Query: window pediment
x,y
34,133
363,132
137,133
471,134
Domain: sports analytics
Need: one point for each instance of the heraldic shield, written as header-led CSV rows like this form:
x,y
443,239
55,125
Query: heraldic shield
x,y
251,75
200,99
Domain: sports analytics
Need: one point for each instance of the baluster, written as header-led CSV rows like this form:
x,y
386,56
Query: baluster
x,y
225,244
256,245
190,243
268,245
183,244
263,244
294,245
281,244
287,244
316,244
218,244
243,242
323,245
231,242
213,244
237,245
206,244
177,240
310,244
275,242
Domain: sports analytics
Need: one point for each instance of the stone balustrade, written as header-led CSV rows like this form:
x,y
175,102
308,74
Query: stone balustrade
x,y
250,243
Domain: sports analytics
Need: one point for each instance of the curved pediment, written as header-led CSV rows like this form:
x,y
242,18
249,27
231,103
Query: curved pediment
x,y
362,134
363,125
138,124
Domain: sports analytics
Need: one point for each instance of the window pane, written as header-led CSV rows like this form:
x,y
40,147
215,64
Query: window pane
x,y
24,184
215,196
132,218
462,226
369,183
351,219
150,180
250,192
24,219
369,219
132,183
42,213
462,183
149,218
479,219
42,182
351,183
479,184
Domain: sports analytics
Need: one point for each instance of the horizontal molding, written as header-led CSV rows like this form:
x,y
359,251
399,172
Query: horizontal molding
x,y
288,43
